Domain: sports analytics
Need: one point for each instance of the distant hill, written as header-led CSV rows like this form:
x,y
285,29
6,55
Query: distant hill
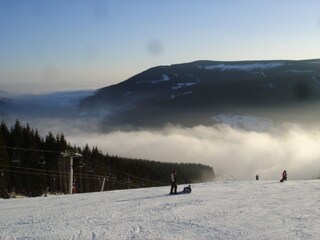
x,y
195,93
246,94
55,104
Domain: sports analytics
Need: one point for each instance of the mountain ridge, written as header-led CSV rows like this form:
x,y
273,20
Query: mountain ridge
x,y
195,91
187,94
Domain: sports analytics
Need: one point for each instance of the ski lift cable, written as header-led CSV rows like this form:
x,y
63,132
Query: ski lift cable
x,y
57,175
31,172
134,176
31,149
50,151
131,175
100,164
52,171
83,175
40,172
45,174
234,179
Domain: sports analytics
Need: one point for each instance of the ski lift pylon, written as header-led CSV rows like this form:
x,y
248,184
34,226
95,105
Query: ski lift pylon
x,y
42,160
81,162
15,157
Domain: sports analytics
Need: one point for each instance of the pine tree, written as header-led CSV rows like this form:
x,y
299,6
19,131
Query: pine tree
x,y
4,160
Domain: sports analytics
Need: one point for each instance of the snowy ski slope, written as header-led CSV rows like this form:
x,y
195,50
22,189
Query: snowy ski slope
x,y
216,210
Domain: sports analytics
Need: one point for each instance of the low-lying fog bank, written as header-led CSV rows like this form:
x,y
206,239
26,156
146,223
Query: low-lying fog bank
x,y
232,152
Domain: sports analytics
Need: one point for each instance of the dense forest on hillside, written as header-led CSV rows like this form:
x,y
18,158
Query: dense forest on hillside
x,y
31,165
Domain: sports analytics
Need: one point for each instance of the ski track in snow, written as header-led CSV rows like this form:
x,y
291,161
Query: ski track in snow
x,y
217,210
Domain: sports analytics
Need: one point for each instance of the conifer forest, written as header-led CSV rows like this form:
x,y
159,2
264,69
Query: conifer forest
x,y
32,165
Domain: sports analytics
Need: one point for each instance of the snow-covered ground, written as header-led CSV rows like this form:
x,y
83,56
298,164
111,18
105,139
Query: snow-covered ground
x,y
216,210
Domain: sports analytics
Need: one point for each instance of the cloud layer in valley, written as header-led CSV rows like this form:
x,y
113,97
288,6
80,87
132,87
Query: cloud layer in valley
x,y
231,152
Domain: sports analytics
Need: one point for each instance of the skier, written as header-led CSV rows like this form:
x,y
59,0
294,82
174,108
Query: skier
x,y
173,180
257,177
74,190
284,176
187,189
46,191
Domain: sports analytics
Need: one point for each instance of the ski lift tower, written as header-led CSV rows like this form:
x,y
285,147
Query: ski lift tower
x,y
71,155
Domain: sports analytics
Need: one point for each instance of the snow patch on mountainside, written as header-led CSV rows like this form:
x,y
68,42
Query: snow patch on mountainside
x,y
181,85
242,67
244,122
270,85
299,71
127,93
316,82
163,79
258,74
180,94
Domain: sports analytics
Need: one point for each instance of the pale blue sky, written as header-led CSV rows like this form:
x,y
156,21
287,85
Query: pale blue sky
x,y
61,45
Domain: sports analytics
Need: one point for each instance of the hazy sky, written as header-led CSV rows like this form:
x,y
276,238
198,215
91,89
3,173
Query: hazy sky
x,y
60,45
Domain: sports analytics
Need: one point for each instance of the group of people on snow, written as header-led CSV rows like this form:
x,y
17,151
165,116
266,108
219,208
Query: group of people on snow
x,y
284,176
174,186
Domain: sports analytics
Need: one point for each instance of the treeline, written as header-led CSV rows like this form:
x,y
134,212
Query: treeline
x,y
32,165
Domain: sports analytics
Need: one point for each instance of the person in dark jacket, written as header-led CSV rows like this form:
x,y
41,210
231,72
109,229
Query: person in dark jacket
x,y
257,177
173,180
187,189
284,176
